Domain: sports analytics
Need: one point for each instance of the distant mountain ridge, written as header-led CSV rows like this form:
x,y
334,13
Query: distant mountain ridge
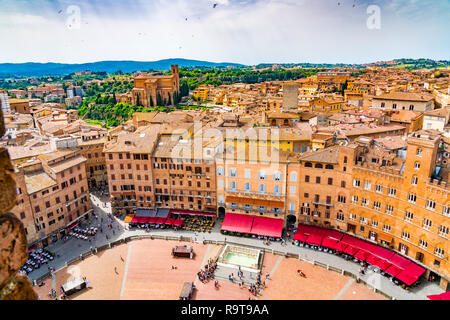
x,y
34,69
44,69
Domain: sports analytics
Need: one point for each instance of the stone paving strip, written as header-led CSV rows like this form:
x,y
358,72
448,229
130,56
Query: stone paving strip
x,y
126,270
347,285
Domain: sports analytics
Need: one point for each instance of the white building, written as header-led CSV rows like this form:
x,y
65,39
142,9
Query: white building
x,y
403,101
436,119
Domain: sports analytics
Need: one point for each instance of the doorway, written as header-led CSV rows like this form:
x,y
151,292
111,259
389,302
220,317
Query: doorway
x,y
351,228
221,212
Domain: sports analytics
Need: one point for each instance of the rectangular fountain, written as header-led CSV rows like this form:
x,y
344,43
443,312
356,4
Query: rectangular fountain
x,y
235,256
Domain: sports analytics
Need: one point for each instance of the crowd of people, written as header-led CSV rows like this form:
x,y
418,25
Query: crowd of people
x,y
253,288
259,285
204,275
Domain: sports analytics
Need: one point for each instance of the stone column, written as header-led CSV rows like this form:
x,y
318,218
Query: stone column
x,y
13,241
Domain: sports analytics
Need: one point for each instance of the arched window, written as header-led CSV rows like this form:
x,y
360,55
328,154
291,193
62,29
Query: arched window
x,y
308,165
329,166
262,175
345,159
277,176
318,165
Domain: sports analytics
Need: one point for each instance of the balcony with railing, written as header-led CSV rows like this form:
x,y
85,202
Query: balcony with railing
x,y
252,209
254,195
319,203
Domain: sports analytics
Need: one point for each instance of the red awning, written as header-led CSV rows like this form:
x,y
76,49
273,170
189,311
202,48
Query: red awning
x,y
445,295
73,225
234,222
327,233
307,229
357,243
406,278
393,270
362,255
350,250
330,243
152,219
269,227
399,261
314,239
300,236
341,246
178,222
373,260
442,296
382,253
415,270
383,264
142,219
136,220
160,220
169,221
192,213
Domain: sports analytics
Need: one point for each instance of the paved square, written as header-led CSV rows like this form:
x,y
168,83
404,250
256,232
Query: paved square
x,y
142,270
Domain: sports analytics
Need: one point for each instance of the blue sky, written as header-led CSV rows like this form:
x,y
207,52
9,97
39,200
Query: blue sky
x,y
244,31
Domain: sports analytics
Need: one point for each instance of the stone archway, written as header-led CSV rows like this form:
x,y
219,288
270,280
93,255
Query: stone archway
x,y
221,212
291,219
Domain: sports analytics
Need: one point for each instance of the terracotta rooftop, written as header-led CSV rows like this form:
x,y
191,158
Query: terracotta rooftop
x,y
262,154
404,116
442,112
282,115
66,164
20,152
328,155
56,154
392,142
406,96
37,182
141,141
361,129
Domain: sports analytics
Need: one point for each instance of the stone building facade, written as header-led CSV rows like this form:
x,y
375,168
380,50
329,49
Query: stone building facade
x,y
13,243
52,194
148,87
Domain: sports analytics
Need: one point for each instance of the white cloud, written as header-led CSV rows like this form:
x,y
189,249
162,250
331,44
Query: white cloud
x,y
23,19
235,31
